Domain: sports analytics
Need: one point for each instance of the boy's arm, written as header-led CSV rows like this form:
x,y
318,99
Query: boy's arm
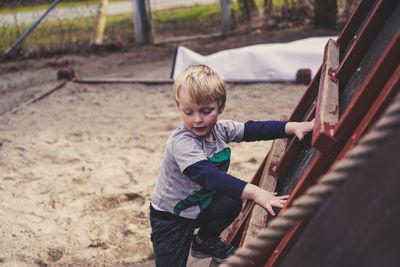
x,y
211,178
264,130
267,130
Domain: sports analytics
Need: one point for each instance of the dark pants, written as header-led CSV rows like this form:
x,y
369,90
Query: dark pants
x,y
172,235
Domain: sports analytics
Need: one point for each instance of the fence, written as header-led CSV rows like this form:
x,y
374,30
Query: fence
x,y
71,25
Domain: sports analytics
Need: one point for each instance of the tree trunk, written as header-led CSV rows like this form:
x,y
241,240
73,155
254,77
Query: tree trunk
x,y
268,5
247,7
325,14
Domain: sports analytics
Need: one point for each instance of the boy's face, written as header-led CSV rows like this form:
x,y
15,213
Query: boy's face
x,y
199,118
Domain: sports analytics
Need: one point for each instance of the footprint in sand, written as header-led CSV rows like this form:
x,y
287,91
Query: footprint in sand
x,y
75,137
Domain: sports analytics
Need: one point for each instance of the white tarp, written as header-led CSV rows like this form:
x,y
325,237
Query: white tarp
x,y
263,62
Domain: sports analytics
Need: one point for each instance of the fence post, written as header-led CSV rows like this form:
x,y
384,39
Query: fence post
x,y
226,16
142,21
101,22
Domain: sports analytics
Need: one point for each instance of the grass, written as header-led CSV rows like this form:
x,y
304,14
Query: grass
x,y
198,13
186,14
49,34
80,30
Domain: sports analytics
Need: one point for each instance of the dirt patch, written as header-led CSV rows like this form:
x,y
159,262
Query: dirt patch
x,y
77,167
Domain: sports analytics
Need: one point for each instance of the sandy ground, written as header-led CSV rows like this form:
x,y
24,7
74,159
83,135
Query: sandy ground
x,y
77,167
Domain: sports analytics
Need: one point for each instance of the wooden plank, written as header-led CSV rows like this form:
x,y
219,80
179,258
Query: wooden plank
x,y
327,107
322,163
369,89
48,90
293,150
231,234
349,32
347,91
386,64
269,178
385,97
123,80
349,230
364,40
319,166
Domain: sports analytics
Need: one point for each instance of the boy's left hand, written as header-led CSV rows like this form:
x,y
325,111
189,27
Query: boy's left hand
x,y
264,198
268,200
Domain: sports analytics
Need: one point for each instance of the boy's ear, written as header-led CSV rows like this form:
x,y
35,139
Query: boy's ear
x,y
221,109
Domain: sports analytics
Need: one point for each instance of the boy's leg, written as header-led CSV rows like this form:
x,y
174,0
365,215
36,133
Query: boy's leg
x,y
221,212
212,221
171,236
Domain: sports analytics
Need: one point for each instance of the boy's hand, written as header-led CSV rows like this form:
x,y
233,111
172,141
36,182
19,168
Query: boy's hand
x,y
269,200
264,198
299,128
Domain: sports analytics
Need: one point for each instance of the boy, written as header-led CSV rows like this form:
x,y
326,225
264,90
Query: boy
x,y
193,188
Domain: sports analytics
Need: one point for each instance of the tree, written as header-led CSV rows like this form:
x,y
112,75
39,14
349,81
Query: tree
x,y
247,7
325,14
268,5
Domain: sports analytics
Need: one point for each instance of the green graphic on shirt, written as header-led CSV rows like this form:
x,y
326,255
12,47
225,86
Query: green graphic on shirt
x,y
203,198
222,159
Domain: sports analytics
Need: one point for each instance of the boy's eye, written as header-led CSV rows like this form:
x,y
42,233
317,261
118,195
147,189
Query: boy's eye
x,y
188,112
206,111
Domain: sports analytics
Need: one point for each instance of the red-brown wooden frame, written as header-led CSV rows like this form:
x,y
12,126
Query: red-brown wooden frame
x,y
383,75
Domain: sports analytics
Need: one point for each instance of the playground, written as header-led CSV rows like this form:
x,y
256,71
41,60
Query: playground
x,y
78,166
79,160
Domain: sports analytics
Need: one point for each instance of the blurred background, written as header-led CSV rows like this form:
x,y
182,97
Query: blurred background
x,y
31,28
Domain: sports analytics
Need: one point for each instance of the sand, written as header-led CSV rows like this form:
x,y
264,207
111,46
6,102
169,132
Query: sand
x,y
77,167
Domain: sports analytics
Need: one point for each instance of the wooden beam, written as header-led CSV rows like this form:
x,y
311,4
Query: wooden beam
x,y
123,80
357,224
382,101
350,29
232,234
327,110
346,126
378,77
369,89
293,150
385,98
364,39
268,181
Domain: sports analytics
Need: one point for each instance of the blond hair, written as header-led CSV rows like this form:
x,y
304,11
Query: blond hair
x,y
201,84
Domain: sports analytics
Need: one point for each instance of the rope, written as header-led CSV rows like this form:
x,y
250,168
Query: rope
x,y
306,204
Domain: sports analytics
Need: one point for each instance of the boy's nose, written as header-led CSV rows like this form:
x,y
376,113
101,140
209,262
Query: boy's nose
x,y
197,117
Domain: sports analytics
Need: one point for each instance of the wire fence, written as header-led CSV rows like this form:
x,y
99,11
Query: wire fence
x,y
180,19
71,25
